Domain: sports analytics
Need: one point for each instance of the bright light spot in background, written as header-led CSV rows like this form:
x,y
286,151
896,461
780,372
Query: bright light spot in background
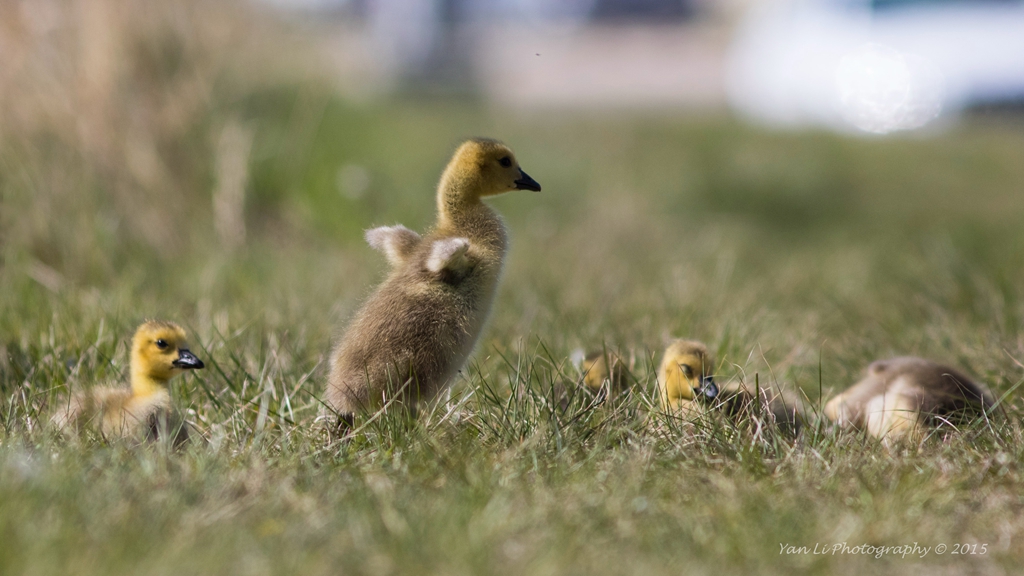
x,y
882,90
353,181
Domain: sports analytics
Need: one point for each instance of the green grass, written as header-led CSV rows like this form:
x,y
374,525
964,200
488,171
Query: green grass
x,y
799,258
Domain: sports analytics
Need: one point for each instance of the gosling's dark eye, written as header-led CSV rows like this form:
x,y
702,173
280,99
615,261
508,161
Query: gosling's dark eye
x,y
687,371
161,344
505,161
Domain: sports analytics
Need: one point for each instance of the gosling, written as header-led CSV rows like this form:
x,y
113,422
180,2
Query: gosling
x,y
605,366
685,375
159,353
414,333
903,397
687,388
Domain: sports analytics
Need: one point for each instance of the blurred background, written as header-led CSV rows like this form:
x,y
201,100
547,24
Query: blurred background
x,y
220,159
871,65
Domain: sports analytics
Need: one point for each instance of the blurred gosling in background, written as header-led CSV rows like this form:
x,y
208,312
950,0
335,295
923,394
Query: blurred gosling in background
x,y
159,352
604,371
903,398
415,332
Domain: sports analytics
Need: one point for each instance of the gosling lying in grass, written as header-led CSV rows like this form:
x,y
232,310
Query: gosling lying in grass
x,y
596,381
415,332
903,398
685,375
687,388
159,352
603,370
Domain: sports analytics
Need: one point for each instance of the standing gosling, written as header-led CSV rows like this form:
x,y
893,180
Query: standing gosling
x,y
899,398
687,388
159,353
415,332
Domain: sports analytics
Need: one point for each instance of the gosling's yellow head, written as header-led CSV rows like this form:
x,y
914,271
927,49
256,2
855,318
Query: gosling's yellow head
x,y
483,167
160,352
596,371
686,373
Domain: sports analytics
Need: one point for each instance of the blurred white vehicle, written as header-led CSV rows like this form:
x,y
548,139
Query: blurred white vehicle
x,y
875,65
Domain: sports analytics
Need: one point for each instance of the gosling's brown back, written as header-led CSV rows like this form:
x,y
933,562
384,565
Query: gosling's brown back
x,y
408,339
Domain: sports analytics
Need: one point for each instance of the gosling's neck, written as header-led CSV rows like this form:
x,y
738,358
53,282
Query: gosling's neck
x,y
459,205
144,384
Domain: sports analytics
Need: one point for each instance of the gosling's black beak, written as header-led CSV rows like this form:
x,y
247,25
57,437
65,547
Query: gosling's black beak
x,y
708,389
526,183
188,360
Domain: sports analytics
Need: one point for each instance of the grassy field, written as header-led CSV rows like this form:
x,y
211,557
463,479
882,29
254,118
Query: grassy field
x,y
799,258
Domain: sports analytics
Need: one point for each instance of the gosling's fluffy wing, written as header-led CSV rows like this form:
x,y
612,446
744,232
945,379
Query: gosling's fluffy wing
x,y
396,242
449,255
